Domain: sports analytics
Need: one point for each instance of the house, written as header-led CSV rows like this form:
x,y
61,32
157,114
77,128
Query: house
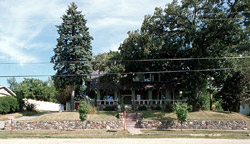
x,y
150,90
5,91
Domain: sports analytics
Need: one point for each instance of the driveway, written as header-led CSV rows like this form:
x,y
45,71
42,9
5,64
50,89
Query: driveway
x,y
125,141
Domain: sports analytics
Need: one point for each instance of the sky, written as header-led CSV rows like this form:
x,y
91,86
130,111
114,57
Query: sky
x,y
28,33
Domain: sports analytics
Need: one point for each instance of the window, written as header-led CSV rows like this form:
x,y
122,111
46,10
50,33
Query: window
x,y
147,78
138,97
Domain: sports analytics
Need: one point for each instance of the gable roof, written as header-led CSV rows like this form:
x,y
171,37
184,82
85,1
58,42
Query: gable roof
x,y
11,93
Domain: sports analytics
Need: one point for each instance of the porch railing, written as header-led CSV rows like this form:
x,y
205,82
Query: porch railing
x,y
107,102
142,102
158,102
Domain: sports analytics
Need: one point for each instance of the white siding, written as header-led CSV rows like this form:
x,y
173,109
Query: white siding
x,y
47,106
245,110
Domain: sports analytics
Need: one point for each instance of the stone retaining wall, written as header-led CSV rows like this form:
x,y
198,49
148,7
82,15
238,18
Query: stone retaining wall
x,y
63,125
220,125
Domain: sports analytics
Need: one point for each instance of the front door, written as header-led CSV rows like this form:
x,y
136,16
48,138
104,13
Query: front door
x,y
127,100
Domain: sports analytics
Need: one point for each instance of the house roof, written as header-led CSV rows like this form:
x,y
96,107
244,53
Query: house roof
x,y
8,90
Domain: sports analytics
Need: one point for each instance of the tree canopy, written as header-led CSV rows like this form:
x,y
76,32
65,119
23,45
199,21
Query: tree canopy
x,y
191,29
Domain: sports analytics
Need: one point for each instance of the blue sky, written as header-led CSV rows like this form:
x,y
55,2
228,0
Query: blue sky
x,y
28,33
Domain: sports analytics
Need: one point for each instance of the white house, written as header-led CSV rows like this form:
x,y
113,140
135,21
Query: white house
x,y
5,91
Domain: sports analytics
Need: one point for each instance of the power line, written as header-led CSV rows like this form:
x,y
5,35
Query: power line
x,y
60,20
128,73
142,60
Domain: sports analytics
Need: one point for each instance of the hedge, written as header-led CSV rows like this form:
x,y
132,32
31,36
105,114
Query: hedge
x,y
8,104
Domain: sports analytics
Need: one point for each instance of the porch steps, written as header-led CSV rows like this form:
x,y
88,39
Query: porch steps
x,y
131,124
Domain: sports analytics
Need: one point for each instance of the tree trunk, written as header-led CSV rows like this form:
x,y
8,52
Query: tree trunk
x,y
72,96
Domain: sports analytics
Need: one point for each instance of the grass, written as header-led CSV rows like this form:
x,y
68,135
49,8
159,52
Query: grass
x,y
200,133
20,114
120,134
63,134
71,116
185,132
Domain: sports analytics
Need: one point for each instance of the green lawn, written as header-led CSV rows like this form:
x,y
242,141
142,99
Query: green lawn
x,y
200,115
70,116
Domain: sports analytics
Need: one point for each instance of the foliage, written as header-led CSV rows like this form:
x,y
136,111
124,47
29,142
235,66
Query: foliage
x,y
4,107
14,106
33,89
8,104
232,90
169,108
192,29
13,85
217,106
181,111
83,111
73,44
30,107
92,109
122,105
63,94
36,89
204,100
142,108
158,108
109,63
109,108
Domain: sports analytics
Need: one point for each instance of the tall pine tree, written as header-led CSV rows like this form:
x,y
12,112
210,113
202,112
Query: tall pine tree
x,y
72,59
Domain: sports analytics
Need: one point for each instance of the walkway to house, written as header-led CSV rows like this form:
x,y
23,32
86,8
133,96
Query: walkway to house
x,y
131,124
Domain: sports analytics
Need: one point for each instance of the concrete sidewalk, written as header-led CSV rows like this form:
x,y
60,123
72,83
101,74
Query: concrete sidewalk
x,y
131,124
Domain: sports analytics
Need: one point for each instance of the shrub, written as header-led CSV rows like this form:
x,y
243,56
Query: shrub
x,y
14,106
142,108
30,107
109,108
169,108
4,107
217,106
83,111
158,108
92,109
8,104
181,111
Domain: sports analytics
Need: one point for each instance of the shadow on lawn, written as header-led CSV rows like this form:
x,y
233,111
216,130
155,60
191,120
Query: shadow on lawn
x,y
111,113
32,113
224,112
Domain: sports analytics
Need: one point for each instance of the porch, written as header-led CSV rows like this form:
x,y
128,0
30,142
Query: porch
x,y
136,98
